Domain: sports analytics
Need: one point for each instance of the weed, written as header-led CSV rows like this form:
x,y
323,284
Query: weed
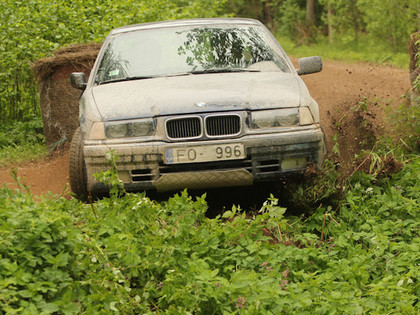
x,y
110,176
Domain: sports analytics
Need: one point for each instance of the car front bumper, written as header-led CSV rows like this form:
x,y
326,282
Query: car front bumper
x,y
269,156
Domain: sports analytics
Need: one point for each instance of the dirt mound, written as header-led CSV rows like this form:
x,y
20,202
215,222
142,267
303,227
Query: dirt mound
x,y
352,98
59,100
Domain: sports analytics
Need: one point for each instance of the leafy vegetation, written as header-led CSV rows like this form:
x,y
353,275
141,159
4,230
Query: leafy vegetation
x,y
133,255
306,21
22,140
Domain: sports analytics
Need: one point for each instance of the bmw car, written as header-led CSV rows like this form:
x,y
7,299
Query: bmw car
x,y
200,103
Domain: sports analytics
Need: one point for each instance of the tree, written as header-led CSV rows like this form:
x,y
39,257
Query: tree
x,y
343,17
310,13
390,21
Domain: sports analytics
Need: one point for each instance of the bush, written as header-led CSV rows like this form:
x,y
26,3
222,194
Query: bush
x,y
21,133
38,264
134,255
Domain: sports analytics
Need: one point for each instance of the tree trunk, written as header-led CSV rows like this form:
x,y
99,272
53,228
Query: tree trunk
x,y
267,15
310,13
355,17
413,51
330,26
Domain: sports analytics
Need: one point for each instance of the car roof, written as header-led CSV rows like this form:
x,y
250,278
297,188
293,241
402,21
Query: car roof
x,y
190,22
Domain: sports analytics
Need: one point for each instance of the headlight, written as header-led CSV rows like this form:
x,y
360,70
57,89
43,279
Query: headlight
x,y
305,116
116,131
274,118
137,128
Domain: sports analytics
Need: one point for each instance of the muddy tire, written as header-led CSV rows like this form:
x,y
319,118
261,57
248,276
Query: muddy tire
x,y
77,169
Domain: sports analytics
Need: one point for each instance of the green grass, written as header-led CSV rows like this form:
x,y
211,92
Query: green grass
x,y
12,155
365,50
22,141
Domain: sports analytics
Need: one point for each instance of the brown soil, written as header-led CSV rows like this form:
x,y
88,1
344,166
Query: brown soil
x,y
338,89
50,175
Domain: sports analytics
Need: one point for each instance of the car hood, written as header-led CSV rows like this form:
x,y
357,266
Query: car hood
x,y
196,93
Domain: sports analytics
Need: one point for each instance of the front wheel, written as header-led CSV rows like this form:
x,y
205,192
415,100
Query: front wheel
x,y
77,167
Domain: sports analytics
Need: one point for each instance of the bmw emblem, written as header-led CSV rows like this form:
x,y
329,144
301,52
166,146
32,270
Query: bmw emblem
x,y
200,104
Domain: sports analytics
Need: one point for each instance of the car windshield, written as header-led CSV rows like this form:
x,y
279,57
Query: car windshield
x,y
189,50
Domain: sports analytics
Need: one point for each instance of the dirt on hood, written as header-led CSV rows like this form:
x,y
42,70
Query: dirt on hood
x,y
353,101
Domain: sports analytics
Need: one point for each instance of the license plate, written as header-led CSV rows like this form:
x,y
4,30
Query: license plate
x,y
205,153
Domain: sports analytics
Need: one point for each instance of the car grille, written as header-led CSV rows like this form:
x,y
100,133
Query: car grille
x,y
223,125
184,128
191,127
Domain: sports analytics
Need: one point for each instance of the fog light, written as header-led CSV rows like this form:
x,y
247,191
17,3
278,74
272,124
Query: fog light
x,y
293,164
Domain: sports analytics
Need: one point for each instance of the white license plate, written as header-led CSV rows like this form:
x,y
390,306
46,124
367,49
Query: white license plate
x,y
205,153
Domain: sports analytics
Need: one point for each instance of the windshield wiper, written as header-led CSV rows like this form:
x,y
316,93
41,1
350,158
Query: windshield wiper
x,y
129,79
203,71
223,70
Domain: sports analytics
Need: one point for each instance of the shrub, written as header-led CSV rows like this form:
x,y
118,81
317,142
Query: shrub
x,y
134,255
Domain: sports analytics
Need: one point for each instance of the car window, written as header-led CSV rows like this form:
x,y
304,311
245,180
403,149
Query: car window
x,y
184,50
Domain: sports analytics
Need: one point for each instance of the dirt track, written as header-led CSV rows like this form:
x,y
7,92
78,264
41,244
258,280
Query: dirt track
x,y
338,89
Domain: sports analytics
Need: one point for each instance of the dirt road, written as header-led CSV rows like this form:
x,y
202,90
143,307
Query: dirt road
x,y
338,89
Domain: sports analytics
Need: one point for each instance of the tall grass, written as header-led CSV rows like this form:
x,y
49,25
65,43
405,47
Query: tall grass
x,y
366,49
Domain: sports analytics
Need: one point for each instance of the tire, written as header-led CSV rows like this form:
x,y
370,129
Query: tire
x,y
77,167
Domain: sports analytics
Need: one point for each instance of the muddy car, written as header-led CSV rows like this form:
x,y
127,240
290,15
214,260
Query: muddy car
x,y
194,104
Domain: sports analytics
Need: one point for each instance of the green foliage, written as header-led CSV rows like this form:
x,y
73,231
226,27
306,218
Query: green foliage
x,y
391,21
134,255
344,18
387,23
38,259
110,177
21,140
291,20
18,133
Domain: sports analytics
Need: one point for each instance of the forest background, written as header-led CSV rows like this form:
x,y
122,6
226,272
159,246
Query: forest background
x,y
373,30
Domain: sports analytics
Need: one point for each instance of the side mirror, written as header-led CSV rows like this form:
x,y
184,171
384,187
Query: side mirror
x,y
78,80
309,65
